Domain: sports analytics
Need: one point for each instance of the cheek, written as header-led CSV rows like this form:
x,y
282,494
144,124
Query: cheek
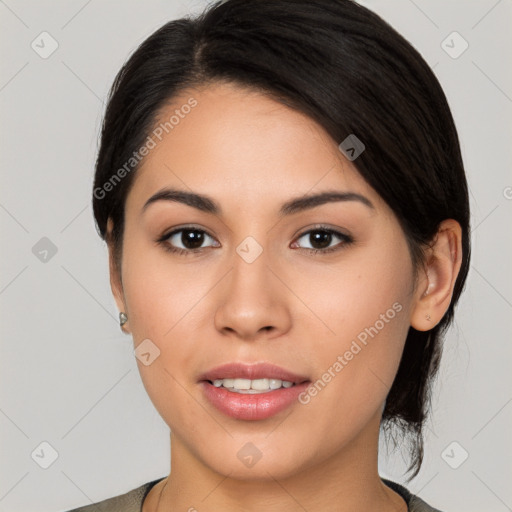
x,y
368,293
160,293
366,305
163,308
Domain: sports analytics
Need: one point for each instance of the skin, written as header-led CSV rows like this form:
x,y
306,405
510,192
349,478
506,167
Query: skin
x,y
290,307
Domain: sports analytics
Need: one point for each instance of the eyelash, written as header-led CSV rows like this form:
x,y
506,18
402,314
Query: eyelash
x,y
346,240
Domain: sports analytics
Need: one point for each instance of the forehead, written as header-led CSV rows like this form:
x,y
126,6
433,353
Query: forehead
x,y
242,147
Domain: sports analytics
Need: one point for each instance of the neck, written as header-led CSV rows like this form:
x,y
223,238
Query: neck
x,y
346,481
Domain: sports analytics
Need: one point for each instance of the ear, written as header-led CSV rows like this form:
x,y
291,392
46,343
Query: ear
x,y
116,284
435,286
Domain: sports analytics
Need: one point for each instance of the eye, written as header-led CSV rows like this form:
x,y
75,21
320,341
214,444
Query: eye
x,y
321,238
190,238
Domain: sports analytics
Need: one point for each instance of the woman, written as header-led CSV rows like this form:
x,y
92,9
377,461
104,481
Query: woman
x,y
282,192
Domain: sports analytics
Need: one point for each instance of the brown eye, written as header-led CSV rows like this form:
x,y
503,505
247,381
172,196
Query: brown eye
x,y
321,239
190,238
185,240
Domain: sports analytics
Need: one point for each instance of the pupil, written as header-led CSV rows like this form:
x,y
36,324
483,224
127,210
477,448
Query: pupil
x,y
192,239
321,237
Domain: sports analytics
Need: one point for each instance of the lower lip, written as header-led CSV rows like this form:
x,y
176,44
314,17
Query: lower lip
x,y
252,406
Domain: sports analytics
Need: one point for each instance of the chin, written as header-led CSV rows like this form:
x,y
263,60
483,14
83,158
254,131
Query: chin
x,y
258,456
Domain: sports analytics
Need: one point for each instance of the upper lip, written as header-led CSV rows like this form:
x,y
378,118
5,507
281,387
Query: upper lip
x,y
251,371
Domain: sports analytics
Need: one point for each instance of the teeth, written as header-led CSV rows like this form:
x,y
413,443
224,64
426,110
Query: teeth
x,y
228,382
255,386
260,384
242,384
275,383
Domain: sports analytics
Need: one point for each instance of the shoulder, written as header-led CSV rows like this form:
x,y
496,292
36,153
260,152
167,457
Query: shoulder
x,y
414,503
127,502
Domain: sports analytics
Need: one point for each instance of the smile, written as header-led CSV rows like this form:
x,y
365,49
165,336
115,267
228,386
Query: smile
x,y
254,391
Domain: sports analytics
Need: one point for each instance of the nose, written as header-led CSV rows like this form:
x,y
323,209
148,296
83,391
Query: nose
x,y
254,301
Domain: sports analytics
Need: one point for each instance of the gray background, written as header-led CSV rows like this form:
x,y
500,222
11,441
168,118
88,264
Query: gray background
x,y
68,374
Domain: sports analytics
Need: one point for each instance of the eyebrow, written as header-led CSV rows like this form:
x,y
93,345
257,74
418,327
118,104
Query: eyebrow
x,y
208,205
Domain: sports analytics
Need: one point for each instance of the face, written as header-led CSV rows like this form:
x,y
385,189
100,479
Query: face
x,y
322,292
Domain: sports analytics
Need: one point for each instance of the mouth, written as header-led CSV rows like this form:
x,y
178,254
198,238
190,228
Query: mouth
x,y
252,391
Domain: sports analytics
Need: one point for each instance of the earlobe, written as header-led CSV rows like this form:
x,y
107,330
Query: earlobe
x,y
442,267
115,278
